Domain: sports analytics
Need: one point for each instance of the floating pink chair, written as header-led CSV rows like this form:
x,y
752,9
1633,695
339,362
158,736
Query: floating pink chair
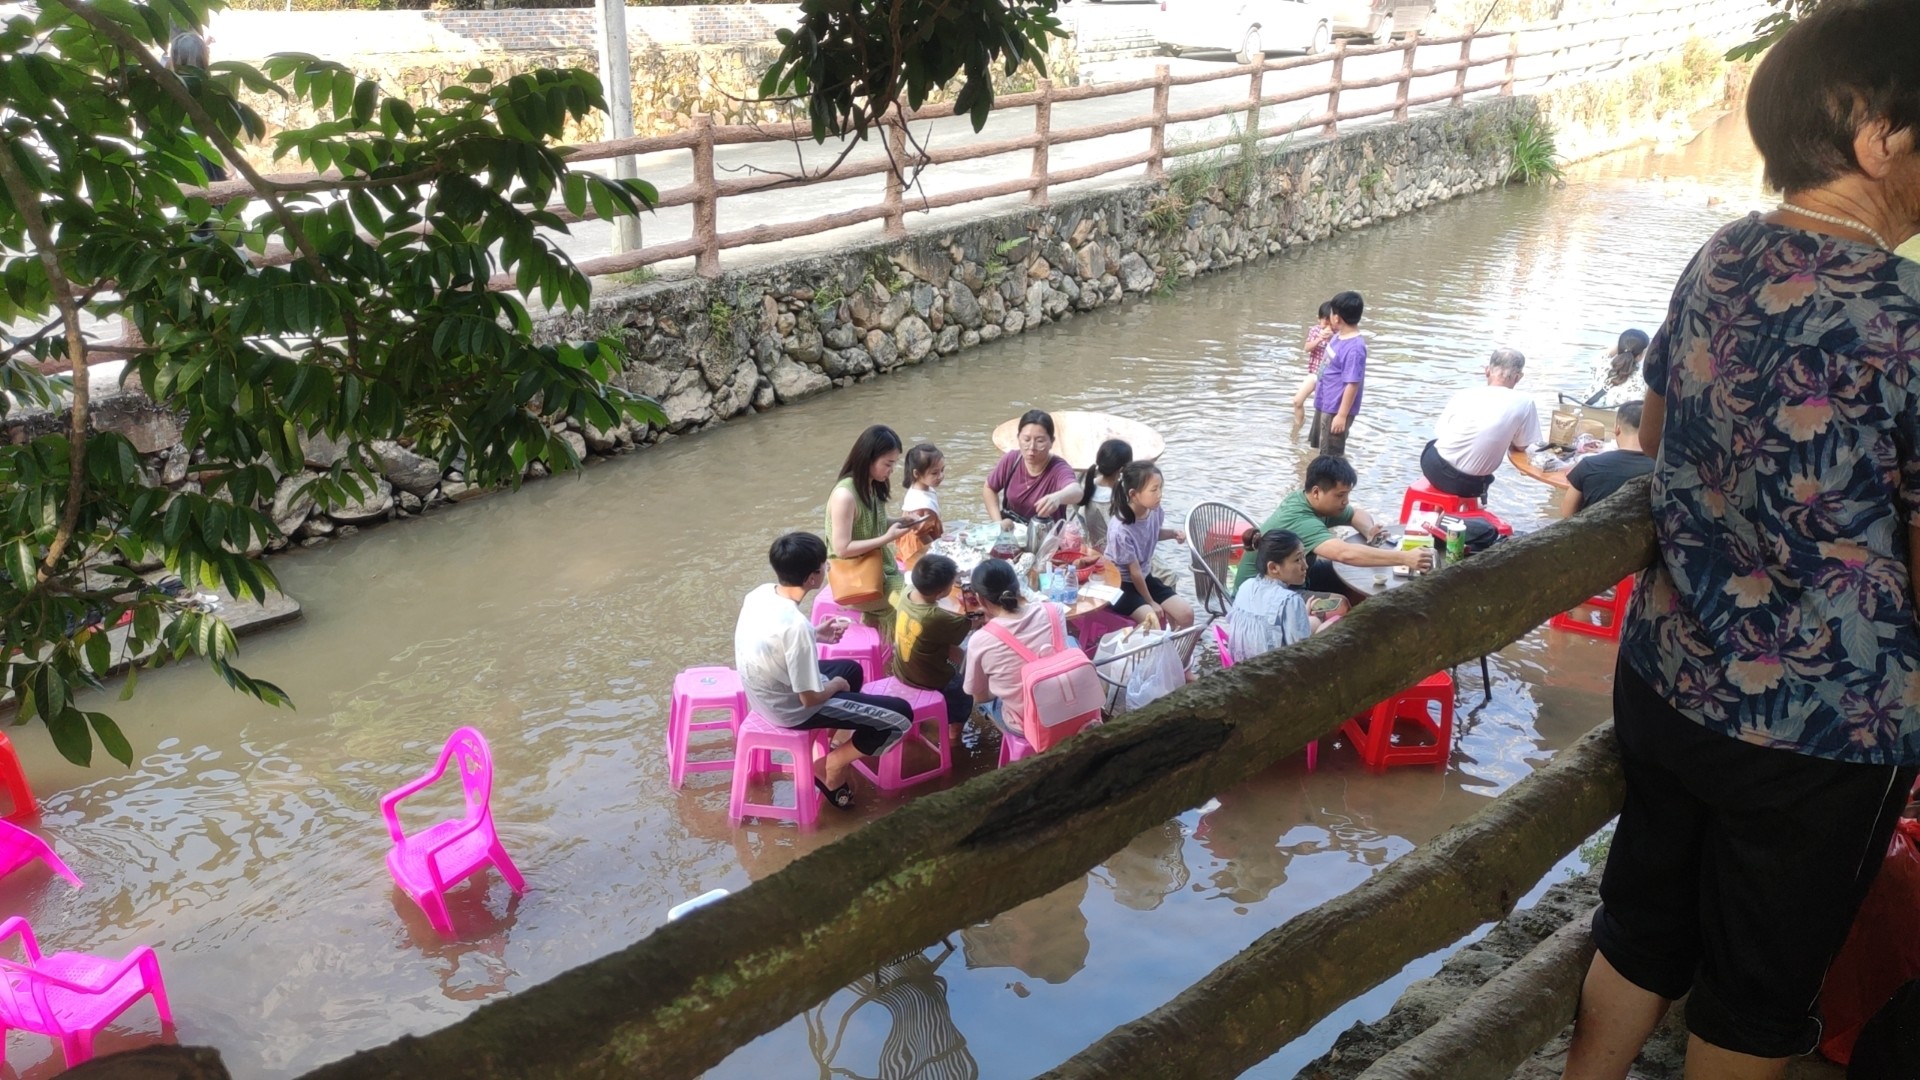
x,y
702,689
14,779
1226,661
428,863
930,729
18,847
72,996
753,750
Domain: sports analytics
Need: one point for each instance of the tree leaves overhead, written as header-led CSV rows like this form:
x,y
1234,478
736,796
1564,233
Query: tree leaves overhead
x,y
1773,27
851,60
359,313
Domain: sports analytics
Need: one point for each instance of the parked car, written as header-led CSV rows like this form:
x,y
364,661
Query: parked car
x,y
1246,28
1380,20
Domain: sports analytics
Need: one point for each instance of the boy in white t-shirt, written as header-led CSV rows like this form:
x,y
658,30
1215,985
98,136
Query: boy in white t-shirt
x,y
775,650
1480,427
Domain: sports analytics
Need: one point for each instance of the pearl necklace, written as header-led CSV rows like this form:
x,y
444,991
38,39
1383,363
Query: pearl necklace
x,y
1835,219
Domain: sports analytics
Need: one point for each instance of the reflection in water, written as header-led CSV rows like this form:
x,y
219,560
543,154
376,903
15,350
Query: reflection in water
x,y
921,1043
245,843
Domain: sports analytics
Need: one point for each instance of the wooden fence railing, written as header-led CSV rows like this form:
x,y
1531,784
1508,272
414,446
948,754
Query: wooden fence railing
x,y
678,1001
1503,62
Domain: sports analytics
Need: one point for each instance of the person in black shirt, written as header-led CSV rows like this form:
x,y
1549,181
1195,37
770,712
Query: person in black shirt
x,y
1596,477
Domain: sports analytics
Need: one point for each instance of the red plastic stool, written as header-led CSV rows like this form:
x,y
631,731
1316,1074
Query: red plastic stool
x,y
930,729
696,690
1372,733
753,749
14,780
1422,496
1606,612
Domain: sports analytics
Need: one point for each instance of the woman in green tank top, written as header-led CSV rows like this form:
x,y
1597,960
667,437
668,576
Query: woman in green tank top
x,y
857,512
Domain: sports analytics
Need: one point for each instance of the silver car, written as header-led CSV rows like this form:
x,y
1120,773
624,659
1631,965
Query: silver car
x,y
1247,28
1380,20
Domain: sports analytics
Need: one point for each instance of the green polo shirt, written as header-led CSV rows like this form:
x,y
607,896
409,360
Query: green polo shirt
x,y
1298,517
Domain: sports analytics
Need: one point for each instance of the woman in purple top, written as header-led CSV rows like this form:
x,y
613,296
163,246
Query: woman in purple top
x,y
1136,529
1028,474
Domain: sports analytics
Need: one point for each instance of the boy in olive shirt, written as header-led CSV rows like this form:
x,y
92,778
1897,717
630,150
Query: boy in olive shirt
x,y
927,637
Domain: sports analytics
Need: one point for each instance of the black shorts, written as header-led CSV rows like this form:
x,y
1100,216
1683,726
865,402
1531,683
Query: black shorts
x,y
1322,438
1444,477
1130,599
1735,871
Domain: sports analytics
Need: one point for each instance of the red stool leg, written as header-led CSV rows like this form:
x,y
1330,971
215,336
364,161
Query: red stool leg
x,y
14,779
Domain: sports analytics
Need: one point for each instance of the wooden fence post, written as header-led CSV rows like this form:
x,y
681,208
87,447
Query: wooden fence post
x,y
896,198
1460,77
1406,80
1337,73
706,211
1513,60
1254,83
1042,127
1162,87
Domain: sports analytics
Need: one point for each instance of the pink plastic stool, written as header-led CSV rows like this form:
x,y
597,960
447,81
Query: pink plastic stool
x,y
1013,748
1226,661
759,739
1609,607
863,646
1372,732
696,690
825,608
1422,496
929,711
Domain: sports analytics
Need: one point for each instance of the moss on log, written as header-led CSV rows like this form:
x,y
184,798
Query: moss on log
x,y
1298,973
678,1001
1502,1023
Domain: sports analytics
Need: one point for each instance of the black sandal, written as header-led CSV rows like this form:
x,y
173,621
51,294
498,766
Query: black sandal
x,y
841,796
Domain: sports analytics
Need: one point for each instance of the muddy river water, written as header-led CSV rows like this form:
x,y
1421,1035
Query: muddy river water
x,y
245,844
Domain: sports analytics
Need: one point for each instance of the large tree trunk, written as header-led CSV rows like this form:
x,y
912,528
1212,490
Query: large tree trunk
x,y
675,1003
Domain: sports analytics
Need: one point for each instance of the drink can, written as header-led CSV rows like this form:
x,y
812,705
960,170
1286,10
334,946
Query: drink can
x,y
1456,541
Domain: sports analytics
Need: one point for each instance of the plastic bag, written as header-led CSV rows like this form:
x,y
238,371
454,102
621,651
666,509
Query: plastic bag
x,y
1145,675
1881,952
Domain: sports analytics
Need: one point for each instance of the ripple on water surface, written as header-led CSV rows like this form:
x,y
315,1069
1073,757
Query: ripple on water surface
x,y
246,844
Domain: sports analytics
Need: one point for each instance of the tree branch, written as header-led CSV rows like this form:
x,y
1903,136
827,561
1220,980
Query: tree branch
x,y
267,190
28,201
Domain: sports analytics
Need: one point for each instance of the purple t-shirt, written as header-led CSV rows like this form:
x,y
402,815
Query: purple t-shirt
x,y
1129,544
1346,363
1020,493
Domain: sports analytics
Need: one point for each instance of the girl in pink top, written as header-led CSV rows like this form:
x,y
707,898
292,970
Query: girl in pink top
x,y
1316,348
993,669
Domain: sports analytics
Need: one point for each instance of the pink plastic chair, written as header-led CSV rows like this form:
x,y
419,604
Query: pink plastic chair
x,y
18,847
428,863
72,996
930,729
696,690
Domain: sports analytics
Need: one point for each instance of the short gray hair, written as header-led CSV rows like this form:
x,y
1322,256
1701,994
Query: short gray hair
x,y
1510,362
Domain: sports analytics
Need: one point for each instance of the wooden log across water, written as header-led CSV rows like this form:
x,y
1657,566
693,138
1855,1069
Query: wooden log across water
x,y
678,1001
1499,1025
1298,973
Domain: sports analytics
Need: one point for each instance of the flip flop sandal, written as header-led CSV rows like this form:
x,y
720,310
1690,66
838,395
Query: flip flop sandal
x,y
841,796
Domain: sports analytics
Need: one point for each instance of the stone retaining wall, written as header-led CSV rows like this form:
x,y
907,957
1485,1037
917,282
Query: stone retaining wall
x,y
711,351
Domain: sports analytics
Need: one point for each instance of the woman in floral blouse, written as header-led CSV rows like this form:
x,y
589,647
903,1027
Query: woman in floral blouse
x,y
1767,697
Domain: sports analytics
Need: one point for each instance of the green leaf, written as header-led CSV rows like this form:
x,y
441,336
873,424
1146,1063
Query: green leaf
x,y
111,739
69,730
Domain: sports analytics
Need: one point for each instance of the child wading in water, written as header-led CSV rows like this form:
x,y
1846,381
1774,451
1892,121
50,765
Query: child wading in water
x,y
925,467
1131,538
1316,349
1336,400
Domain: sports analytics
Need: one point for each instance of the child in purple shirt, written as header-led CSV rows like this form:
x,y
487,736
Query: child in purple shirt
x,y
1336,400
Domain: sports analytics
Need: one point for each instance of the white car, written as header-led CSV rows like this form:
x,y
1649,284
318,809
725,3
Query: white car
x,y
1246,28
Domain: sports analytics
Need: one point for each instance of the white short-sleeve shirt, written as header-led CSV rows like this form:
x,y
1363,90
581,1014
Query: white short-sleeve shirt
x,y
1480,424
775,654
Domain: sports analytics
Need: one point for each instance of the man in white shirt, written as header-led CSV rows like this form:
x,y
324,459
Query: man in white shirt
x,y
1479,427
775,651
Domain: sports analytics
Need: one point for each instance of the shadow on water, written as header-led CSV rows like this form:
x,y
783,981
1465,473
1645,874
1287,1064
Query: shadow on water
x,y
245,843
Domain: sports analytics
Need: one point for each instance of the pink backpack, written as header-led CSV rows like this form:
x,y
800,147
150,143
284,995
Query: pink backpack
x,y
1060,693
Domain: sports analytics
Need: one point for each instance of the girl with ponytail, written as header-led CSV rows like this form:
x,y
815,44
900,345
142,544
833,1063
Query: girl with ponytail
x,y
1269,611
1137,529
993,669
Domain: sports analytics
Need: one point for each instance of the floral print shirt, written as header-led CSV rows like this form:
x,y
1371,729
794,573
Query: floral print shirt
x,y
1780,611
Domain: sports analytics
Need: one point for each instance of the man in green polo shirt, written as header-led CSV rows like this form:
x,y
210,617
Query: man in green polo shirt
x,y
1311,513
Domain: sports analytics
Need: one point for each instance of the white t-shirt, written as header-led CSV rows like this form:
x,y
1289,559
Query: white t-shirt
x,y
1481,424
918,499
775,654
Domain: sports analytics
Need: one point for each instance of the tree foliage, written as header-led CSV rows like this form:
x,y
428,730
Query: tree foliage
x,y
354,308
852,60
1773,27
